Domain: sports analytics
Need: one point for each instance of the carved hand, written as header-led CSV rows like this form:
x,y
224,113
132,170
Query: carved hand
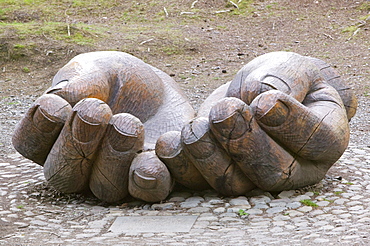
x,y
280,124
97,125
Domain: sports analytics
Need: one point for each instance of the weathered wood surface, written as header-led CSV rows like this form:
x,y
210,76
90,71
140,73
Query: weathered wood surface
x,y
37,131
68,165
297,122
212,161
170,150
121,106
283,121
110,173
333,78
280,124
150,179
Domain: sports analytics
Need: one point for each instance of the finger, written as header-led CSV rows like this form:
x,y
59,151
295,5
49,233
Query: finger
x,y
212,161
123,139
68,165
36,133
333,78
211,100
260,158
169,150
124,82
76,89
149,178
288,72
317,132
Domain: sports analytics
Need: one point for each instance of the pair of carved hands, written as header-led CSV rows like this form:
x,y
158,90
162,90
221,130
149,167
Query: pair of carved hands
x,y
117,126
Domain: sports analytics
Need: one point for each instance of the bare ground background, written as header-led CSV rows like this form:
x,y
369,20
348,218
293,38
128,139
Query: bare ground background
x,y
202,44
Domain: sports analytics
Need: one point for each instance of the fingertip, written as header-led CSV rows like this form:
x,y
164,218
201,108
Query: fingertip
x,y
125,132
89,119
195,137
168,144
149,178
271,108
230,117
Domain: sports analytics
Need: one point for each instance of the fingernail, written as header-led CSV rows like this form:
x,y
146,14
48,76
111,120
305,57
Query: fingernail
x,y
230,118
273,116
143,181
232,127
197,140
43,121
126,132
90,119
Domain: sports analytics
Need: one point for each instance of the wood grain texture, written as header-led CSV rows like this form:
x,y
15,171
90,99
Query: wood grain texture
x,y
110,172
127,85
37,131
170,151
212,161
333,78
150,179
296,126
68,165
121,106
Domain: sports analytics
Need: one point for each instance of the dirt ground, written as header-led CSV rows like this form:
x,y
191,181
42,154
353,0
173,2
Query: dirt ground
x,y
201,47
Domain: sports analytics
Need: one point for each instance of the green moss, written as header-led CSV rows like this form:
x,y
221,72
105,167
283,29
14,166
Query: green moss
x,y
308,202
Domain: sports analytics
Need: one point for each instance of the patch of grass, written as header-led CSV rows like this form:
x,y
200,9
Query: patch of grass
x,y
245,7
52,10
338,192
364,18
76,33
26,70
20,206
308,202
139,12
221,27
12,103
365,6
242,212
272,6
19,46
350,29
331,201
183,76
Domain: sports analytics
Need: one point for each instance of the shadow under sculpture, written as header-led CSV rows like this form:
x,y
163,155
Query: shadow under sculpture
x,y
117,126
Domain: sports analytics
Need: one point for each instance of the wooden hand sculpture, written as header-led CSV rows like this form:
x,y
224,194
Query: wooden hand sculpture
x,y
96,127
280,124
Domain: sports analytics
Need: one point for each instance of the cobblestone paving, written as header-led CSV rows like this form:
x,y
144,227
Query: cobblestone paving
x,y
336,212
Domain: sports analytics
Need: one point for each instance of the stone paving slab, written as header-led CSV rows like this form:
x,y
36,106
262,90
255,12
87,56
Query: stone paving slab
x,y
153,224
